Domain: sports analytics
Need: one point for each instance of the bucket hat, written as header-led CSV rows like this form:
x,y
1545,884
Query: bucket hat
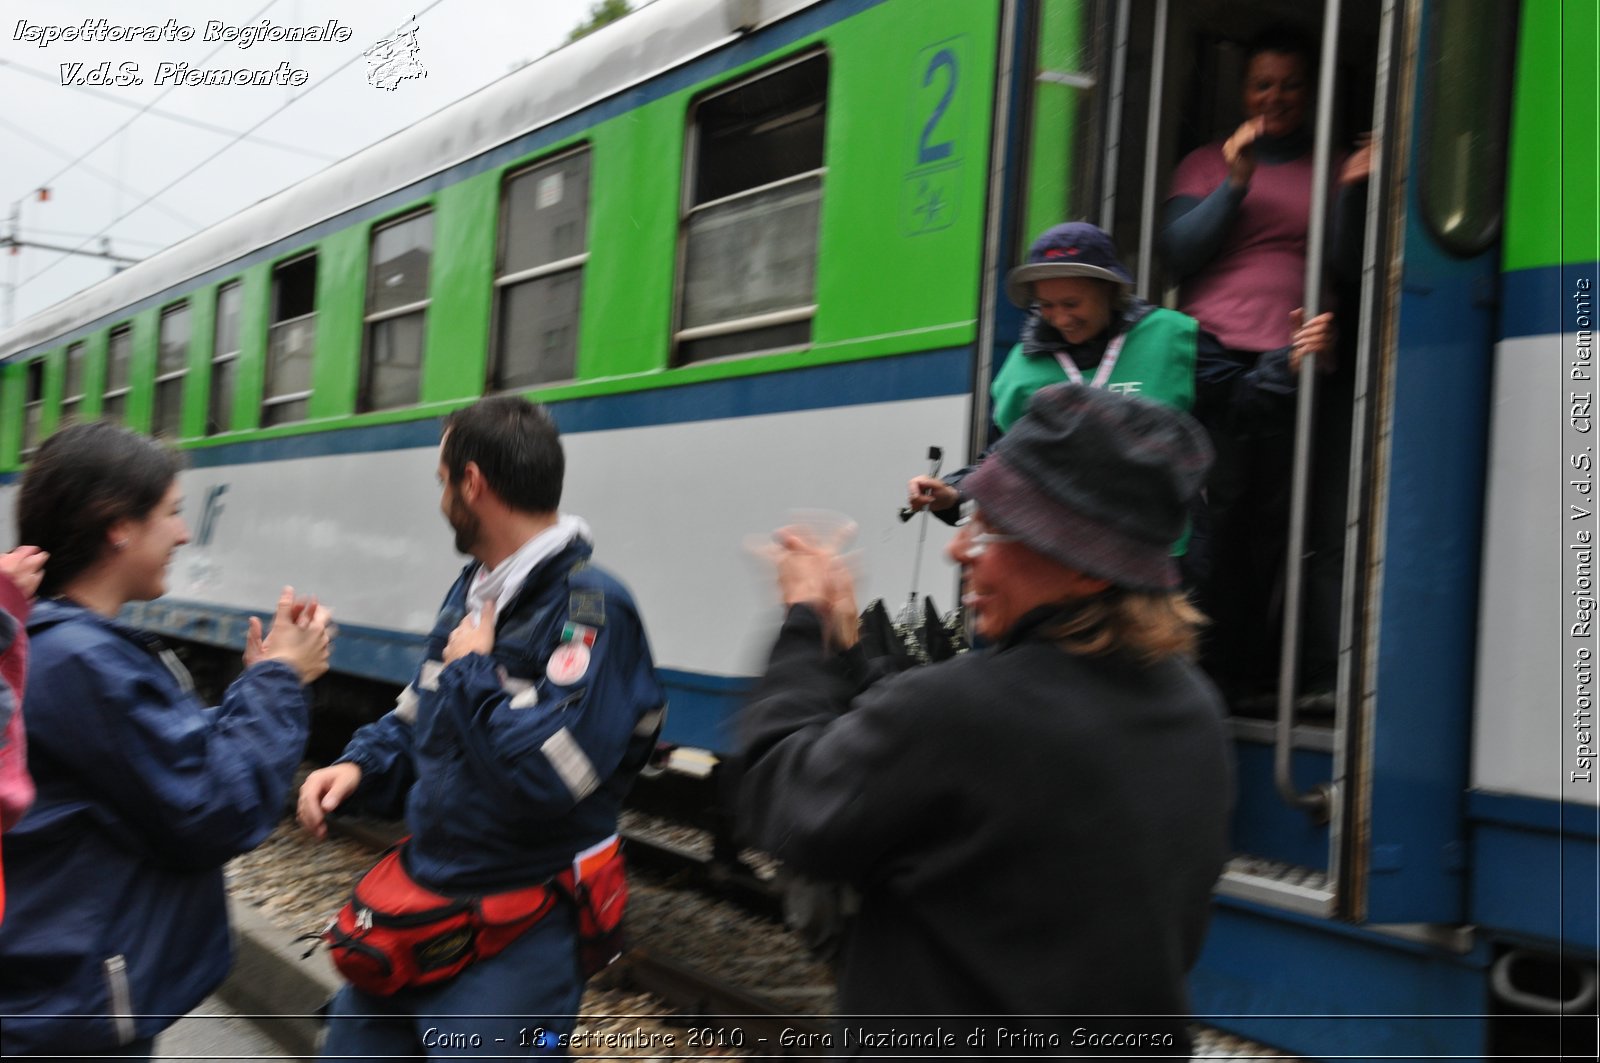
x,y
1097,481
1071,249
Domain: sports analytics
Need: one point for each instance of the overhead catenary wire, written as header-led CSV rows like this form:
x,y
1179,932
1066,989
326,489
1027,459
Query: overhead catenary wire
x,y
93,172
105,139
70,234
207,160
151,109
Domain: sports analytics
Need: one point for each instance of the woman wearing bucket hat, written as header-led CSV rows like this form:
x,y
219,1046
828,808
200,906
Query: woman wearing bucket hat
x,y
1085,326
1034,827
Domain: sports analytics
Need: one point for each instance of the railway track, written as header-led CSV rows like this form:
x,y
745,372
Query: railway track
x,y
720,1014
704,970
736,882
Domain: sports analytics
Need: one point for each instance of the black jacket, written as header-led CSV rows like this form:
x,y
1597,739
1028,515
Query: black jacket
x,y
1033,833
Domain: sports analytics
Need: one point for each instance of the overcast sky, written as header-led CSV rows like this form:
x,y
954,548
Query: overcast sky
x,y
47,130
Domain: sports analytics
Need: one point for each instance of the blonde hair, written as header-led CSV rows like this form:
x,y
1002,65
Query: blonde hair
x,y
1152,625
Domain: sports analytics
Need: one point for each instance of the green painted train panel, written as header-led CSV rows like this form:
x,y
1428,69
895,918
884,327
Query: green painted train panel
x,y
625,312
12,375
339,345
142,369
1553,193
460,281
202,341
54,384
890,279
94,373
255,302
904,200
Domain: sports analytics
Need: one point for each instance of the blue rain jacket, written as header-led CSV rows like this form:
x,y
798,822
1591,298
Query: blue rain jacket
x,y
505,766
116,915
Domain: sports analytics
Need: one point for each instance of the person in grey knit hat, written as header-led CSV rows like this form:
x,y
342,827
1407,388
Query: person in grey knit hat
x,y
996,812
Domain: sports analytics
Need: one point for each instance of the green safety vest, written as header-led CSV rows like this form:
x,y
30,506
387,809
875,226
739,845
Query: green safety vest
x,y
1156,363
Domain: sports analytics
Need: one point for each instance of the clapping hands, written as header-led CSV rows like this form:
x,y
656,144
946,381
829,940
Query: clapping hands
x,y
301,636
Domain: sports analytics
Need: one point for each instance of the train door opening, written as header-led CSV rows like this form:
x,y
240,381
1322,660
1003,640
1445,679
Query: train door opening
x,y
1117,96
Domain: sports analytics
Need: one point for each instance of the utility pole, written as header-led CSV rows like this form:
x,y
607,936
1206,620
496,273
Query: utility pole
x,y
13,241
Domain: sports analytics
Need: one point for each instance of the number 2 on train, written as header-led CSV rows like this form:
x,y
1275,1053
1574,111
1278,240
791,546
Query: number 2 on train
x,y
928,149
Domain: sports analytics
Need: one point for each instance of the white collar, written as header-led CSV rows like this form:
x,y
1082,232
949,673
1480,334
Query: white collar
x,y
504,581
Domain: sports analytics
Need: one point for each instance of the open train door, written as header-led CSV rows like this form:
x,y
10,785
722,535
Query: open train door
x,y
1350,803
1113,94
1350,827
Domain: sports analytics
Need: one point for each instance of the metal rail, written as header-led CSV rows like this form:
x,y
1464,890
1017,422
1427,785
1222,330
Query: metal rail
x,y
1152,152
989,295
763,1027
735,883
1119,74
1318,800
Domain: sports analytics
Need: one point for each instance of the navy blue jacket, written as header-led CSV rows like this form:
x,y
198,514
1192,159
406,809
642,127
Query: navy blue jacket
x,y
115,900
503,773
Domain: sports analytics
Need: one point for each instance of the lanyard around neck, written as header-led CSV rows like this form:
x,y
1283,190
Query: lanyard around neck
x,y
1102,374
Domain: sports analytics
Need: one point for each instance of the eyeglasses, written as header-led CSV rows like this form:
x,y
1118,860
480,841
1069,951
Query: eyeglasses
x,y
975,535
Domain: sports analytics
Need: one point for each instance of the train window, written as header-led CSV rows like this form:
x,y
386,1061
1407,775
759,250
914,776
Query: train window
x,y
119,356
544,216
172,365
73,387
397,310
32,405
1465,116
291,339
224,359
750,230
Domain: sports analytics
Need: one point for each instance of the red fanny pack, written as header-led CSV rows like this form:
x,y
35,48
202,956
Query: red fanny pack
x,y
395,933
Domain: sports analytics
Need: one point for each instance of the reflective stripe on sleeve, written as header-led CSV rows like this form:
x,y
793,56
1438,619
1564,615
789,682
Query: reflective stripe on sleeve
x,y
429,679
179,672
405,706
650,722
570,763
523,692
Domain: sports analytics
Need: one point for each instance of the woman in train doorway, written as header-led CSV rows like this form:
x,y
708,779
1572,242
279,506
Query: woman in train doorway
x,y
1235,230
1081,319
1085,326
117,918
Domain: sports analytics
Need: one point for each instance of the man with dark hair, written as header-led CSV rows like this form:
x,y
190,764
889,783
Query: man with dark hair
x,y
536,705
515,443
1034,828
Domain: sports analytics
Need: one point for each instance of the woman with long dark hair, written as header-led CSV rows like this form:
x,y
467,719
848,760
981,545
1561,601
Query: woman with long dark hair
x,y
117,916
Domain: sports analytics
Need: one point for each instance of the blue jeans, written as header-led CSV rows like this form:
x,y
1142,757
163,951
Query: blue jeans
x,y
515,1004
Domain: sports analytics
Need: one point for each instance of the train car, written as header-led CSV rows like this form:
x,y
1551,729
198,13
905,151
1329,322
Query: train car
x,y
750,253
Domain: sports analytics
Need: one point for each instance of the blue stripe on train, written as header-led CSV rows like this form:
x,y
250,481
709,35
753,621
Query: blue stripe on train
x,y
901,378
925,375
1544,301
1535,866
700,706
